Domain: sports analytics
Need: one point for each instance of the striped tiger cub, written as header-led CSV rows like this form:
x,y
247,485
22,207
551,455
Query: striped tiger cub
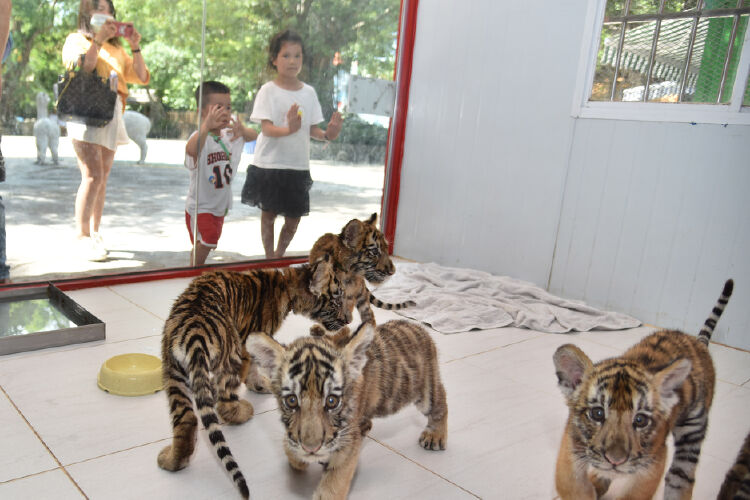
x,y
622,409
736,484
328,391
360,250
203,346
357,294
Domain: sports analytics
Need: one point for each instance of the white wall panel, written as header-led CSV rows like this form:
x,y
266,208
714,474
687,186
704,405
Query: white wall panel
x,y
655,217
487,134
641,217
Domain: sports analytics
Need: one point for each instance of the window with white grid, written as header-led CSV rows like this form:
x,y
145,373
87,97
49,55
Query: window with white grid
x,y
692,54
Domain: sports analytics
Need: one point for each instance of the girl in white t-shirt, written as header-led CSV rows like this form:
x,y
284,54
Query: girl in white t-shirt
x,y
278,181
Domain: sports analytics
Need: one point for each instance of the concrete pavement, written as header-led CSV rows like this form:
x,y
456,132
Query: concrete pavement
x,y
144,222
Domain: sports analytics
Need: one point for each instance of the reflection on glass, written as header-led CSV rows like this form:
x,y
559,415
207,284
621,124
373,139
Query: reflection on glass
x,y
29,316
143,225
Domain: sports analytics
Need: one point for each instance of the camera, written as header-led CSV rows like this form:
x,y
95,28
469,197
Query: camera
x,y
122,29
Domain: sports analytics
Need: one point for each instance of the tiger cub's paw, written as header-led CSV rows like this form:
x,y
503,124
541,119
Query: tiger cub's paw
x,y
365,425
433,440
168,461
331,492
235,412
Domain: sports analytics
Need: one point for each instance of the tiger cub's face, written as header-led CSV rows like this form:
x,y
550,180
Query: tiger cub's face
x,y
360,248
619,413
313,383
372,253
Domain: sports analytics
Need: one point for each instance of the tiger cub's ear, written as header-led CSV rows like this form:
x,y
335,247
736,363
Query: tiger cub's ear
x,y
353,234
355,351
322,274
669,380
571,365
338,339
265,351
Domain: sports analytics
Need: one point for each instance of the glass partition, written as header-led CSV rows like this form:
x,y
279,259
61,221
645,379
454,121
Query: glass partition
x,y
349,59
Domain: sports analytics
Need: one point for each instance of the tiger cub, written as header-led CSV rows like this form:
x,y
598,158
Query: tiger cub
x,y
357,294
736,484
328,392
203,346
622,409
360,250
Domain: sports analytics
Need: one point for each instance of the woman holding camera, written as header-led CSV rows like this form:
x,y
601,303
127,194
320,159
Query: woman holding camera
x,y
97,47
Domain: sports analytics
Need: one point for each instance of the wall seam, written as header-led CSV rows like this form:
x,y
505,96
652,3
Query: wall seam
x,y
563,191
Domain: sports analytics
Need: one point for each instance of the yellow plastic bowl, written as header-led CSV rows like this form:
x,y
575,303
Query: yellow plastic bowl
x,y
132,374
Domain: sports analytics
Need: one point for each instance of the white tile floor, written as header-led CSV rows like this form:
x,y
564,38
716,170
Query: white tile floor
x,y
62,437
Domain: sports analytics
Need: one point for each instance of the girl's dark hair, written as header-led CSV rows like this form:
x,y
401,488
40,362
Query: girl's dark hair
x,y
84,18
286,36
210,87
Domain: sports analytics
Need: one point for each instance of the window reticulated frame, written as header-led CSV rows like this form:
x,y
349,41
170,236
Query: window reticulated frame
x,y
732,112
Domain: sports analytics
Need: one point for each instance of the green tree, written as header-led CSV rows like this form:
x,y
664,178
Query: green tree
x,y
39,29
172,46
237,36
359,30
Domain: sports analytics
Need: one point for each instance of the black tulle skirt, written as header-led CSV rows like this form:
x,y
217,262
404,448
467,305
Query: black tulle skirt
x,y
280,191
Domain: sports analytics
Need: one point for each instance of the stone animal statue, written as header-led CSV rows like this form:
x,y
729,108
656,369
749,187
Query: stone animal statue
x,y
46,131
137,126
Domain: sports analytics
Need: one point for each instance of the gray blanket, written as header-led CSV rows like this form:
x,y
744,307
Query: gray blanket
x,y
453,300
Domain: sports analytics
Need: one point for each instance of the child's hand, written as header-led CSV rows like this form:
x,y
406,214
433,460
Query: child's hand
x,y
106,32
134,39
216,117
334,126
237,127
294,118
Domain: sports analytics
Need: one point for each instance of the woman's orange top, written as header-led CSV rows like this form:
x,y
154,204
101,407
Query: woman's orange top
x,y
111,57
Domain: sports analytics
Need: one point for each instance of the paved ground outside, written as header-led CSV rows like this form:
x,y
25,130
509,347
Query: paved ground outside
x,y
144,220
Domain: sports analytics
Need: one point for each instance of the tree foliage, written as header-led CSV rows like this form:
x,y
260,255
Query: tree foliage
x,y
617,7
237,36
38,29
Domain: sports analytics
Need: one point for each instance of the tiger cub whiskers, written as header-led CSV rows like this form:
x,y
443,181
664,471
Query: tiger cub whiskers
x,y
330,387
622,409
203,346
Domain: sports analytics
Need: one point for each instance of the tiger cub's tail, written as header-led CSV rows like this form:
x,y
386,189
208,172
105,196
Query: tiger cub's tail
x,y
205,402
391,307
737,481
708,327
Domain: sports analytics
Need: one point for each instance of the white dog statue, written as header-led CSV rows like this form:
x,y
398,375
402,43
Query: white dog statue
x,y
137,126
46,131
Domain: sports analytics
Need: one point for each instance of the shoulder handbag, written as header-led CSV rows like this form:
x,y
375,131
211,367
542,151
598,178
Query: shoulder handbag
x,y
85,97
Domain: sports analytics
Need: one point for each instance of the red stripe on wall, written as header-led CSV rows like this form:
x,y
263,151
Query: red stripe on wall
x,y
404,64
